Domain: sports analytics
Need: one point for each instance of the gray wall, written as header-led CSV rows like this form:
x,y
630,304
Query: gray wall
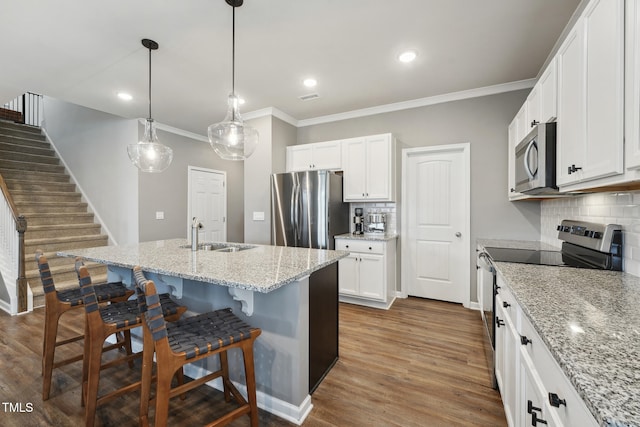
x,y
168,191
94,146
283,135
480,121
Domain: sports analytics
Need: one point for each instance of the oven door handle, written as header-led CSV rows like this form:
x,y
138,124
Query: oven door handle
x,y
487,264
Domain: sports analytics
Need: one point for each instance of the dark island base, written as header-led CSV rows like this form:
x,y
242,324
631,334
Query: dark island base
x,y
323,323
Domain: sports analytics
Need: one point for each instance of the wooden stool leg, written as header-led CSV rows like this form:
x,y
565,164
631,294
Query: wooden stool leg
x,y
247,355
127,345
147,373
163,388
93,359
224,367
49,349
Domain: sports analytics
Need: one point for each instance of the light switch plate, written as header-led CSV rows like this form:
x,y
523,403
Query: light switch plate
x,y
258,216
159,215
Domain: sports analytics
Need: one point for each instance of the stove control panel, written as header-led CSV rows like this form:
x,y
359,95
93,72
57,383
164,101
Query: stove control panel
x,y
601,237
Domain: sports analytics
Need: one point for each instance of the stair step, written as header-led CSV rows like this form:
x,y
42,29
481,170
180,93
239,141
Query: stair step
x,y
27,197
52,257
34,176
26,208
20,148
64,243
65,272
25,141
5,124
38,219
20,133
29,158
53,231
16,185
6,164
38,292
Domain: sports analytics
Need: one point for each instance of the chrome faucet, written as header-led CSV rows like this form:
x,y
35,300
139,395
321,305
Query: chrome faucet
x,y
195,227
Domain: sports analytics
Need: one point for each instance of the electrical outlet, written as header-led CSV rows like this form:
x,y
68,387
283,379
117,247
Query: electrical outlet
x,y
258,216
159,215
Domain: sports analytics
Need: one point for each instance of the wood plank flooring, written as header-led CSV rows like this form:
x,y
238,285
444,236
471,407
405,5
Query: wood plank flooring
x,y
419,364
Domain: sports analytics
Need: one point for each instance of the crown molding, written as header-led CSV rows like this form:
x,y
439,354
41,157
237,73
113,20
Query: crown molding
x,y
421,102
271,111
177,131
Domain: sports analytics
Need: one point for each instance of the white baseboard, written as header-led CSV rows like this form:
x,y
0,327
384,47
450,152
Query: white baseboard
x,y
474,305
280,408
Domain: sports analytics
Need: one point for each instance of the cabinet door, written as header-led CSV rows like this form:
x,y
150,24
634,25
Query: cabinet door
x,y
348,275
548,93
510,366
499,319
372,276
632,86
379,160
327,155
533,108
299,158
353,151
604,30
571,105
533,408
521,123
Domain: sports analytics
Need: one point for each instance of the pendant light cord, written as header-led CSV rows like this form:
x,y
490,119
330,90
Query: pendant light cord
x,y
233,53
150,84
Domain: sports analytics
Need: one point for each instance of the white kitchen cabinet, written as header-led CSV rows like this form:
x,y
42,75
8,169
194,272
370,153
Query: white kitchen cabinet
x,y
534,408
507,348
369,165
316,156
367,275
522,129
632,85
533,109
590,96
548,97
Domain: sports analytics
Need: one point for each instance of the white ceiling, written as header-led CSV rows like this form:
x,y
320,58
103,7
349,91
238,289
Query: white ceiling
x,y
84,51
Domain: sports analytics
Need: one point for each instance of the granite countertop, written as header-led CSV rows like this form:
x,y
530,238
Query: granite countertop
x,y
262,268
590,321
368,236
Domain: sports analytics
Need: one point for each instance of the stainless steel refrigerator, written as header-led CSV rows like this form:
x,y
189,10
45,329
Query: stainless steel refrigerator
x,y
307,209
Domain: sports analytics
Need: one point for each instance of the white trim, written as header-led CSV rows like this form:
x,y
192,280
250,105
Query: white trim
x,y
271,111
177,131
465,148
421,102
6,306
189,216
80,189
473,305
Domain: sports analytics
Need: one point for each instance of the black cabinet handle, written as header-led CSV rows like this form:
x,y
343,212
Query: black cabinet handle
x,y
535,122
572,169
535,420
531,408
347,246
370,248
513,190
505,304
524,340
499,322
555,401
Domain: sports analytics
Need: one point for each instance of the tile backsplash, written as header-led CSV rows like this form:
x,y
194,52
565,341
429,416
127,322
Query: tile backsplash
x,y
389,209
609,208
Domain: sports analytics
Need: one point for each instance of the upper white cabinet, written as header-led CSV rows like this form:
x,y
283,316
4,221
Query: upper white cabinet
x,y
369,165
632,85
320,155
591,95
548,98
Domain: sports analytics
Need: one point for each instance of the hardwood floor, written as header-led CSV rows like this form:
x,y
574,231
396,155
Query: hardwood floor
x,y
419,364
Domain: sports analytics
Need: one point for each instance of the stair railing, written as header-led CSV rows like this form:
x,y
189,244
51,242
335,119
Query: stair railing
x,y
28,107
12,229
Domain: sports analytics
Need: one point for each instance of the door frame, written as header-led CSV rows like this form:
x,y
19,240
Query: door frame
x,y
190,169
465,149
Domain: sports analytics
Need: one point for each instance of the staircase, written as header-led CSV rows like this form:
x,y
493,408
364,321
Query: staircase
x,y
57,218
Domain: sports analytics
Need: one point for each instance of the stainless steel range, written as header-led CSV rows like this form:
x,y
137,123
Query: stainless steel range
x,y
584,245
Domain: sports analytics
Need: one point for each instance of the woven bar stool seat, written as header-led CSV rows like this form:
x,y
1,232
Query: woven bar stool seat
x,y
56,304
103,321
189,340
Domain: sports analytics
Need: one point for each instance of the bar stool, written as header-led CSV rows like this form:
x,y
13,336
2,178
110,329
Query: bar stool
x,y
56,304
189,340
100,323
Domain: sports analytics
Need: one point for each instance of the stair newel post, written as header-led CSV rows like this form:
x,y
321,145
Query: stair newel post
x,y
21,281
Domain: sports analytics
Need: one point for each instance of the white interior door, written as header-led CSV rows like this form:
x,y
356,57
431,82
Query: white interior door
x,y
208,202
436,223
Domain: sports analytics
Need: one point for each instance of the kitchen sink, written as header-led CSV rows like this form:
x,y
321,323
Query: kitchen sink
x,y
221,247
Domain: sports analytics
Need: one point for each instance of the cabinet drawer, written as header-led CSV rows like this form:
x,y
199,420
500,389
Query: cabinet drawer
x,y
363,246
573,411
508,302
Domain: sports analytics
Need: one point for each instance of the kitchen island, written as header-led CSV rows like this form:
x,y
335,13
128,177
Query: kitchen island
x,y
290,293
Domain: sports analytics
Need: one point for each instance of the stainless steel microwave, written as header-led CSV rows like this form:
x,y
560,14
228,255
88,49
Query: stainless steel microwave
x,y
535,163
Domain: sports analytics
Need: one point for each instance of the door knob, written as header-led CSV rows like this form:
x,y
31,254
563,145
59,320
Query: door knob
x,y
458,234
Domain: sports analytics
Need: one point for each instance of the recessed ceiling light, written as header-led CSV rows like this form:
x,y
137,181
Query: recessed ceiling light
x,y
125,96
407,56
310,82
241,101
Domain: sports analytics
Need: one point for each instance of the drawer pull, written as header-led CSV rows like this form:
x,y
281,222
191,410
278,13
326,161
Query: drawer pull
x,y
535,420
531,408
347,246
505,304
369,247
555,401
499,322
524,340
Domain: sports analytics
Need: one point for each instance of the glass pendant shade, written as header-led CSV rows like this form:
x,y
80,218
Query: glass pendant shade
x,y
231,139
148,154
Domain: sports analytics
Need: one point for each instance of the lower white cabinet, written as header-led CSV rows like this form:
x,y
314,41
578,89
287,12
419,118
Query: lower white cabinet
x,y
534,389
367,275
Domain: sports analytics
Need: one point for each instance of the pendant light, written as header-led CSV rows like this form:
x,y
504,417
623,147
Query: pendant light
x,y
148,154
231,139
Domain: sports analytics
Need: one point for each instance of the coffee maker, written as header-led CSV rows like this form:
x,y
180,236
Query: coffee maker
x,y
358,221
